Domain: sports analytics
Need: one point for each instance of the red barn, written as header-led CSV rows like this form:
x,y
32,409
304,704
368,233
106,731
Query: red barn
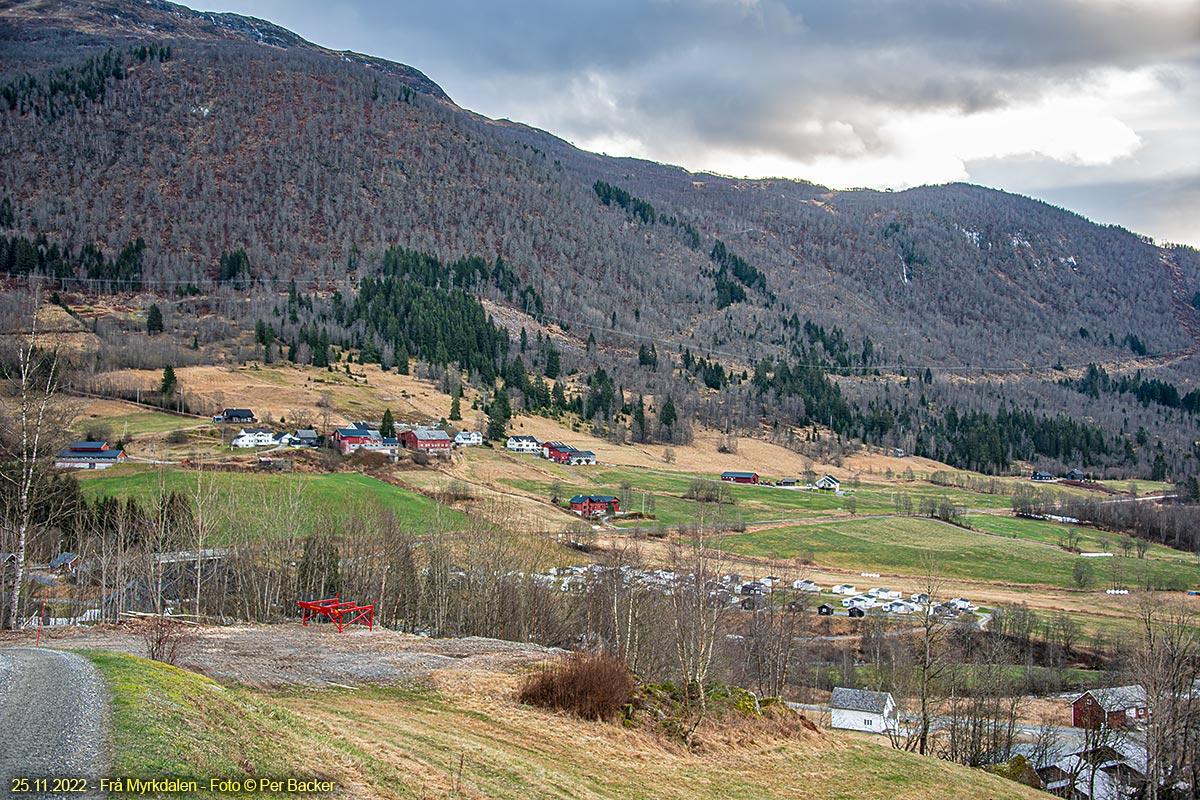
x,y
740,477
592,505
1109,708
557,451
350,439
427,439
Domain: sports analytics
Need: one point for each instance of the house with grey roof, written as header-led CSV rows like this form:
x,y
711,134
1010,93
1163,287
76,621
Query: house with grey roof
x,y
862,710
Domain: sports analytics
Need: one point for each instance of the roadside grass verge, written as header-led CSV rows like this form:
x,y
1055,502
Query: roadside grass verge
x,y
171,723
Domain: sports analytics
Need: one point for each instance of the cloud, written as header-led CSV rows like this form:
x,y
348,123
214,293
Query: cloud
x,y
857,92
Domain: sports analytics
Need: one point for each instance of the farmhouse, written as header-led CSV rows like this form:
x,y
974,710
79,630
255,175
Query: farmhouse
x,y
581,458
254,437
1075,475
235,416
1042,477
468,438
860,710
592,505
740,477
427,439
1109,708
557,451
88,455
828,483
524,444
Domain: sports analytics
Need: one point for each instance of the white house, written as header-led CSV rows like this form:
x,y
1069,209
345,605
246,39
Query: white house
x,y
861,601
254,437
828,483
805,586
844,588
581,458
885,594
524,444
468,438
860,710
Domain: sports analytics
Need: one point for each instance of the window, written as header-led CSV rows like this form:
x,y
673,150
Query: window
x,y
867,722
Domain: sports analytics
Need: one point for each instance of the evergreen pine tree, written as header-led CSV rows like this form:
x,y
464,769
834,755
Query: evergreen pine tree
x,y
154,320
499,413
169,383
455,405
387,428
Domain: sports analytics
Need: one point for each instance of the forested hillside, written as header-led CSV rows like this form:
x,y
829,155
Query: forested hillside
x,y
221,160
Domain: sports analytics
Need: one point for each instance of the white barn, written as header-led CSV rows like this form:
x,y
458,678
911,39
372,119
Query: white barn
x,y
861,710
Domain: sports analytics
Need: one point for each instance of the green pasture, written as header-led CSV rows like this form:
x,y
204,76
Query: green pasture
x,y
901,544
255,499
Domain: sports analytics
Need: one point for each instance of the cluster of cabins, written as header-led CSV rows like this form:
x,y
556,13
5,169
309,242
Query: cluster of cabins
x,y
349,439
558,452
826,483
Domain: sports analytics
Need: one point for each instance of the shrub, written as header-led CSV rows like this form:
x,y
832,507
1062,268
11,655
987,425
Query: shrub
x,y
167,640
595,686
177,437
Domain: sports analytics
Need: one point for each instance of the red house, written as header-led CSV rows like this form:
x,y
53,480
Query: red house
x,y
427,439
1110,708
557,451
594,505
740,477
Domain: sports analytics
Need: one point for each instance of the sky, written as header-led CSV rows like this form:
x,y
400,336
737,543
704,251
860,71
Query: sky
x,y
1093,105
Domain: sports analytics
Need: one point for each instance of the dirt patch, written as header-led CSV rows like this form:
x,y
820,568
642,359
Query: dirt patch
x,y
270,656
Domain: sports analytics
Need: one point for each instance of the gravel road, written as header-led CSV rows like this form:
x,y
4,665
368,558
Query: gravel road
x,y
53,719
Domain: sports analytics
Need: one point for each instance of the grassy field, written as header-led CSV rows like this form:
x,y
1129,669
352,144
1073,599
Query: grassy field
x,y
244,495
122,426
398,743
751,503
1024,554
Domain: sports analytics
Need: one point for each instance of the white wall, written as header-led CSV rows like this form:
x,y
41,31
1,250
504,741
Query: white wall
x,y
857,721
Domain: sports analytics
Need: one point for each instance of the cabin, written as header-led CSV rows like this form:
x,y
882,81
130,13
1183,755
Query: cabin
x,y
787,482
235,416
805,586
594,505
581,458
428,440
844,588
88,455
557,452
524,444
825,610
861,710
65,562
1116,707
468,438
740,477
254,437
1075,475
828,483
1042,476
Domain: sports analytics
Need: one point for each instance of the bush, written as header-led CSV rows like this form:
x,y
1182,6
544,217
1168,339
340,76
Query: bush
x,y
177,437
167,640
595,686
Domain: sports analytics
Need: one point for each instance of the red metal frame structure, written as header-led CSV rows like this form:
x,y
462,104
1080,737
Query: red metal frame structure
x,y
339,612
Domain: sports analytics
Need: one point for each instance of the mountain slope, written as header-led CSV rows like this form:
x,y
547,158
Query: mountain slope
x,y
250,137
